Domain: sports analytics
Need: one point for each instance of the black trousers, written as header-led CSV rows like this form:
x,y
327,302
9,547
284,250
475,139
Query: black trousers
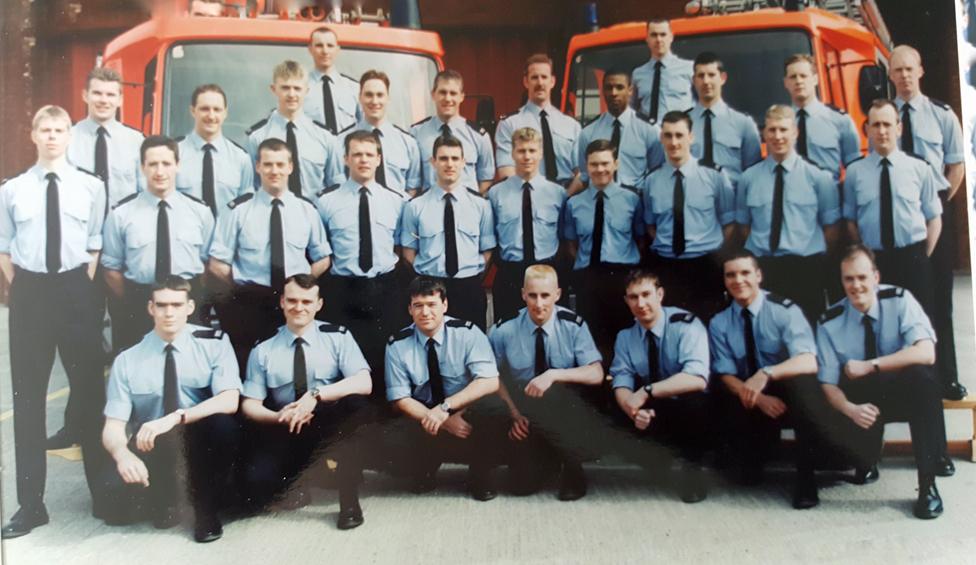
x,y
48,314
250,314
910,268
130,317
801,279
680,428
276,458
205,449
506,293
693,284
943,260
466,299
600,300
912,394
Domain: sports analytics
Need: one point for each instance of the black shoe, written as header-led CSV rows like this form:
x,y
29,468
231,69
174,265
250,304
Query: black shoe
x,y
866,476
23,521
481,486
62,439
951,391
166,518
929,503
693,487
805,492
572,482
207,529
350,517
424,482
945,467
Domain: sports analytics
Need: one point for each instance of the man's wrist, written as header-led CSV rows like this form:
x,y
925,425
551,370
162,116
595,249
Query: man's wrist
x,y
768,371
180,415
875,365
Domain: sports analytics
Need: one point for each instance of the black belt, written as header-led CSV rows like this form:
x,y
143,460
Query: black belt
x,y
21,272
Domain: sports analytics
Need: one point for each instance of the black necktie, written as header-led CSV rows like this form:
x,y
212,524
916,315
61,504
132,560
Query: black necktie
x,y
907,137
328,106
870,342
164,264
752,363
295,178
446,131
277,246
365,233
101,161
541,364
528,231
53,222
434,374
548,150
450,238
801,133
887,219
678,197
208,178
653,359
708,154
171,383
299,372
596,250
615,141
655,90
380,170
776,226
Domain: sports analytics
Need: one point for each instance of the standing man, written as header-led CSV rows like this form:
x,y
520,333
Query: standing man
x,y
436,370
826,136
660,374
305,393
723,136
399,167
264,237
931,130
637,143
332,98
689,210
604,231
448,233
528,212
448,94
560,132
172,396
212,167
316,157
362,219
546,355
788,211
50,236
149,236
663,83
876,351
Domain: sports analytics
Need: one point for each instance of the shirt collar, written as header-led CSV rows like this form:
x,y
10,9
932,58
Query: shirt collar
x,y
812,106
659,325
384,126
789,163
181,342
89,124
719,108
873,312
609,190
438,336
290,336
352,186
316,75
536,181
667,58
549,327
625,117
535,110
915,102
198,142
686,169
300,118
264,197
61,169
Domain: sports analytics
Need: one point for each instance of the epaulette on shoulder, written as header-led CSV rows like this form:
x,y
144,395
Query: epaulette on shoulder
x,y
255,127
688,111
332,328
570,316
916,155
459,324
940,104
686,317
394,191
194,198
831,313
4,181
321,125
587,123
713,166
501,321
240,200
475,192
781,300
238,145
476,127
307,200
179,139
405,132
355,80
893,292
327,190
137,130
642,116
852,161
420,192
493,185
87,172
808,161
633,189
508,115
651,170
836,109
209,334
125,200
347,128
423,121
402,334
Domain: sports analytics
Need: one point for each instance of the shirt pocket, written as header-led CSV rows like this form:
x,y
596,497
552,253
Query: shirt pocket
x,y
138,237
622,223
703,201
728,138
126,174
228,179
28,210
548,215
191,240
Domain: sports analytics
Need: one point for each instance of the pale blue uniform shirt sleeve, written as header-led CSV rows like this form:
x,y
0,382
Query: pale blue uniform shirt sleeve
x,y
7,230
829,367
318,243
396,373
113,247
722,356
692,350
932,184
850,139
255,383
503,143
226,373
797,334
409,226
623,369
118,395
487,226
914,324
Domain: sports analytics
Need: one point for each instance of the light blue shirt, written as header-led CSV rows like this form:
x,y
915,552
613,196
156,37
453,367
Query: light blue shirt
x,y
640,145
779,328
205,367
401,155
479,161
331,354
345,98
915,187
422,229
935,130
565,136
463,354
675,86
243,236
319,153
709,205
832,138
682,346
623,224
23,217
339,210
897,319
811,200
735,138
130,236
232,167
122,143
548,200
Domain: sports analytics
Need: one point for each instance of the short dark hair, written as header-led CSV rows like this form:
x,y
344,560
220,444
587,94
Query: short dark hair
x,y
103,74
659,20
373,74
447,141
322,29
362,136
539,59
158,141
708,58
879,103
446,75
426,286
674,117
171,282
616,72
303,280
852,251
273,144
598,145
734,254
800,58
207,88
640,275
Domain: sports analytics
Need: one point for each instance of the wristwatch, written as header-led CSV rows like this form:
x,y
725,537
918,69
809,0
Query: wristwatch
x,y
648,388
876,365
182,414
446,407
769,372
314,391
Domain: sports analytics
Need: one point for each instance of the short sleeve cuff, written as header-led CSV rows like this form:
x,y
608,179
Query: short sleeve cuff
x,y
918,333
94,243
397,393
726,218
111,263
829,217
118,410
829,375
623,380
254,390
696,368
724,367
953,158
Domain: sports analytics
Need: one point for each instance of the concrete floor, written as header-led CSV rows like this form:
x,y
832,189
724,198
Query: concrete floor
x,y
624,519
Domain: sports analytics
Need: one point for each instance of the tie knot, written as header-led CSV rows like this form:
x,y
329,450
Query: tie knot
x,y
431,343
866,320
885,162
377,132
363,190
291,125
780,168
543,114
326,78
162,205
747,314
616,122
51,177
448,197
802,113
600,195
276,202
526,186
299,341
209,147
678,174
169,348
658,65
906,108
101,131
708,113
539,331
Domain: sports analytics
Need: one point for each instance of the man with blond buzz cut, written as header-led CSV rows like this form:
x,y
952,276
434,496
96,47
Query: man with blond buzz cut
x,y
315,153
479,162
663,83
333,97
